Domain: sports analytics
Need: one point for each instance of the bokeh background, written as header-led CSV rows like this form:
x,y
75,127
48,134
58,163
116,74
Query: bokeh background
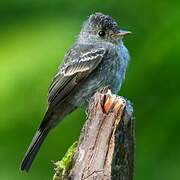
x,y
34,36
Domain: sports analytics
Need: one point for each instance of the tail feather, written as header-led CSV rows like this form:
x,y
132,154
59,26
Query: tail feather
x,y
33,149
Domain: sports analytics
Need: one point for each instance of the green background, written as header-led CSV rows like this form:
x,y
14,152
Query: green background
x,y
34,36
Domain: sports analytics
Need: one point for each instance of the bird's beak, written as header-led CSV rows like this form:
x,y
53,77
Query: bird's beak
x,y
121,33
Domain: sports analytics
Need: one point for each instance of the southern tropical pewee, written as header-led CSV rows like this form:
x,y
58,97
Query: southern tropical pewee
x,y
97,59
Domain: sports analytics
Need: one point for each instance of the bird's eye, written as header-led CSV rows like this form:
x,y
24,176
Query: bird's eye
x,y
101,33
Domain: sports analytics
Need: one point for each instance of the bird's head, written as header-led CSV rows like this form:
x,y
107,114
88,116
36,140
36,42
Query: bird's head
x,y
101,28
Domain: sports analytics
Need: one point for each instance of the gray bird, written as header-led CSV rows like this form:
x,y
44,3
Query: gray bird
x,y
97,59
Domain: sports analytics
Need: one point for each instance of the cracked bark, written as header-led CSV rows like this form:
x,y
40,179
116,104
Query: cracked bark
x,y
106,146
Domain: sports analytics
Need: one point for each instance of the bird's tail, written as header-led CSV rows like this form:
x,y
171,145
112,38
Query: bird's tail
x,y
33,149
49,122
37,141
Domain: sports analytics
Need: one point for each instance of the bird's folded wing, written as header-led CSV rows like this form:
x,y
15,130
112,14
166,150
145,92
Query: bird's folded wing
x,y
72,73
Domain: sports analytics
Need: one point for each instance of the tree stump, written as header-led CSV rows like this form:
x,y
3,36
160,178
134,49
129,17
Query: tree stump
x,y
105,149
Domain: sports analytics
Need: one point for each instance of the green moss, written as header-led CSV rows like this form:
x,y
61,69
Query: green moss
x,y
63,166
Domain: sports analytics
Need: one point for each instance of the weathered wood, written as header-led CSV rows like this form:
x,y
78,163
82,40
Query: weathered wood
x,y
105,149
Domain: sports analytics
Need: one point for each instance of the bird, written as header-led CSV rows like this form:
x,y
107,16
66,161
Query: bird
x,y
97,59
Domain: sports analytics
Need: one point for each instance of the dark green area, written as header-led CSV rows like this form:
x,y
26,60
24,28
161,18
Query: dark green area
x,y
34,36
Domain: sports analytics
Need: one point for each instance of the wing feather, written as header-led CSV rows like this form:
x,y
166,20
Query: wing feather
x,y
71,74
85,62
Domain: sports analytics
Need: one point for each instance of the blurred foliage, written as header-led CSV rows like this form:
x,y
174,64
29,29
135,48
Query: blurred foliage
x,y
34,36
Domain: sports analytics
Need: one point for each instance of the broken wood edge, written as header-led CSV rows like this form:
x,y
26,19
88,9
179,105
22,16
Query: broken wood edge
x,y
105,148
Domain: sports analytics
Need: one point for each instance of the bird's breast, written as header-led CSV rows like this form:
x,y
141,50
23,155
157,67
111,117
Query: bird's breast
x,y
110,70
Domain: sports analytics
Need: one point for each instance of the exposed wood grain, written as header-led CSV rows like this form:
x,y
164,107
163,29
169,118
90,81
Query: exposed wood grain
x,y
106,146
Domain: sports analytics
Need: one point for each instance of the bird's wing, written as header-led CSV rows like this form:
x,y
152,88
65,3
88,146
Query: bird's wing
x,y
72,73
